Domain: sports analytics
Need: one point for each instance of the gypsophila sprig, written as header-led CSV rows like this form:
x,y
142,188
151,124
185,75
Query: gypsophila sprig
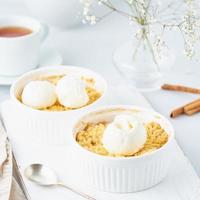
x,y
176,15
87,16
190,28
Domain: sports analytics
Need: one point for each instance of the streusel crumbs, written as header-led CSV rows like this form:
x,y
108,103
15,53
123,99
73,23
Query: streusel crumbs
x,y
91,137
93,94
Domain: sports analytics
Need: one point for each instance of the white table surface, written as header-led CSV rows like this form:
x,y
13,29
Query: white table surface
x,y
181,183
92,47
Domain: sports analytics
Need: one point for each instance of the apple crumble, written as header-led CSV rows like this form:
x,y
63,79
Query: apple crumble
x,y
93,94
91,138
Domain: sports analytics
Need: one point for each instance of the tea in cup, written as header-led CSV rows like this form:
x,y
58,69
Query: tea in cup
x,y
20,41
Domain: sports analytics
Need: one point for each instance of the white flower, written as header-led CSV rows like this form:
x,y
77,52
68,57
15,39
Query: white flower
x,y
148,13
87,16
190,29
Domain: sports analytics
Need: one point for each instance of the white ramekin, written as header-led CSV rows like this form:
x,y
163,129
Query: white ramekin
x,y
121,175
43,126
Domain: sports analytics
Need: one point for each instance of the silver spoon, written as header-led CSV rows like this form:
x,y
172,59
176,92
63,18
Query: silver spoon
x,y
45,176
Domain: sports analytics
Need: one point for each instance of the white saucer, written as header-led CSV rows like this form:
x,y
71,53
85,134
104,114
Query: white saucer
x,y
48,57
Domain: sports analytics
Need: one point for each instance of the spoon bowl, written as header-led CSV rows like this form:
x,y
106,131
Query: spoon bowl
x,y
41,175
45,176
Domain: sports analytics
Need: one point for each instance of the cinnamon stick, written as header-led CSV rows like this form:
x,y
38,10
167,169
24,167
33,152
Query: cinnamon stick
x,y
180,88
187,108
192,106
177,112
192,111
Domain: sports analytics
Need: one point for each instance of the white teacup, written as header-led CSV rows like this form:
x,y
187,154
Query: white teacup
x,y
21,53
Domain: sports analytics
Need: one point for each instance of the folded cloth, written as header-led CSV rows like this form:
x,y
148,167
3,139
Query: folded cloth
x,y
16,192
9,188
3,150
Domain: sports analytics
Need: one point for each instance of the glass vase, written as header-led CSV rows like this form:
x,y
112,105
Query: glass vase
x,y
138,63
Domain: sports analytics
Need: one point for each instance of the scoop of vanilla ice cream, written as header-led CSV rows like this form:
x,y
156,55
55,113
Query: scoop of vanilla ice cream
x,y
71,92
125,136
39,94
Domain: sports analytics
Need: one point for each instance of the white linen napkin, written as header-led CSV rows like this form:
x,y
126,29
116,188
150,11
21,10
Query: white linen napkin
x,y
9,188
3,152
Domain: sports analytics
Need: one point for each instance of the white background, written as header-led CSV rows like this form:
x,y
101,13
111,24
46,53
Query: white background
x,y
92,47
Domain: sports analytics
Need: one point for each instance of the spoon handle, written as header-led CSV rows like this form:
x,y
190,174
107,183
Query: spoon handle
x,y
77,192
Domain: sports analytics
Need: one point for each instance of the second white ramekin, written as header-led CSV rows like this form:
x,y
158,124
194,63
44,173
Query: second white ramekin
x,y
43,126
118,174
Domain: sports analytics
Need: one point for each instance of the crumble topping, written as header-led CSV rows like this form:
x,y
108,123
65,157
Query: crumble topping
x,y
91,138
93,94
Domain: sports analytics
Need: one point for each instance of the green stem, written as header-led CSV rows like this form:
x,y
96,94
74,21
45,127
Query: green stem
x,y
137,47
118,11
152,52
